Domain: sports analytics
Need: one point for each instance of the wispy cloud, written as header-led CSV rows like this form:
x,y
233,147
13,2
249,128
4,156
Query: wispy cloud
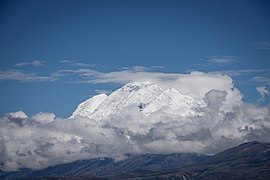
x,y
77,64
261,80
138,68
142,68
220,60
157,67
190,83
85,73
23,76
33,63
262,45
83,65
250,77
263,92
124,75
66,61
243,72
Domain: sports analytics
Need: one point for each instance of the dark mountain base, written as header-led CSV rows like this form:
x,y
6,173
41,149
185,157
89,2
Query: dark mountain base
x,y
108,168
246,161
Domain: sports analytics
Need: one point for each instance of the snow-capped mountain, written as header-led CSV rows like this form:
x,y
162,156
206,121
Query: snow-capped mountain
x,y
145,96
87,107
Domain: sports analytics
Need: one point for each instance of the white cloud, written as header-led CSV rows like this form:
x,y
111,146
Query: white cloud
x,y
221,60
194,83
242,72
138,68
17,115
37,146
23,76
263,92
33,63
260,79
77,64
66,61
83,65
44,118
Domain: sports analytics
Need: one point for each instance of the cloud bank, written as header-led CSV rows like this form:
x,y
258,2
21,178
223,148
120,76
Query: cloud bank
x,y
44,140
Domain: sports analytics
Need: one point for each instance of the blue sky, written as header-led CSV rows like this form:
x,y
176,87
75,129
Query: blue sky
x,y
45,45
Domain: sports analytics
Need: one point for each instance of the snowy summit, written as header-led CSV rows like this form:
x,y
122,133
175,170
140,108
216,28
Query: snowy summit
x,y
147,97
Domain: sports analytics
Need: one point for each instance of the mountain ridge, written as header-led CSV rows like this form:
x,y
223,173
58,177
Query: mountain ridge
x,y
250,160
103,167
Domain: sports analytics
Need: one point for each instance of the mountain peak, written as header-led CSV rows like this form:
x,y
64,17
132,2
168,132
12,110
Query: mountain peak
x,y
146,96
172,90
87,107
135,86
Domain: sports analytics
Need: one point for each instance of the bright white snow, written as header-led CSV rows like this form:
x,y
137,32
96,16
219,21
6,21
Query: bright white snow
x,y
87,107
147,97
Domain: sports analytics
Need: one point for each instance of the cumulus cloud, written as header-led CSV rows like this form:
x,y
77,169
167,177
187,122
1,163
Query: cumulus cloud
x,y
44,118
44,140
17,115
38,145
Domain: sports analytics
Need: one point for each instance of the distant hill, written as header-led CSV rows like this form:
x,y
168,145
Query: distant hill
x,y
247,161
108,168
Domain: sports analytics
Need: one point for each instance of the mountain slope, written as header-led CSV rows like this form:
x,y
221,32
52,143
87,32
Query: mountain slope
x,y
87,107
174,100
247,161
107,167
130,94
